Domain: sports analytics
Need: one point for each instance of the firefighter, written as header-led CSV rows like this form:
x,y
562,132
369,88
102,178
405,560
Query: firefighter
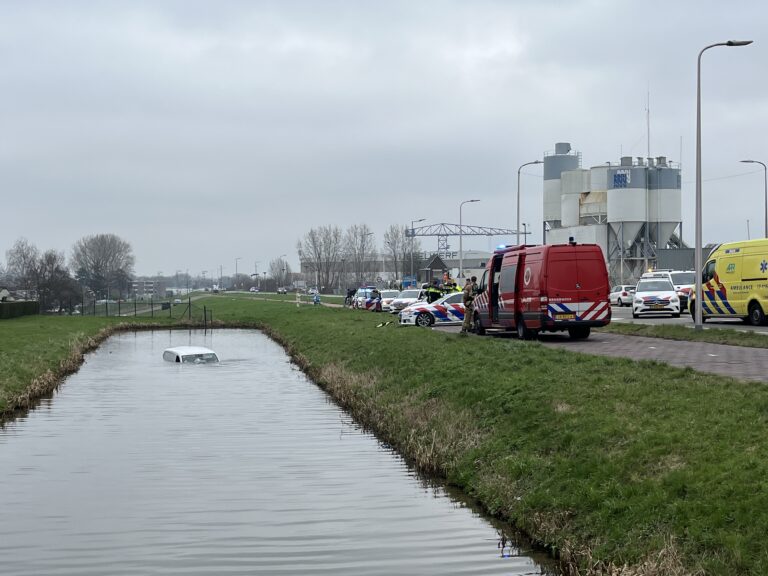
x,y
468,298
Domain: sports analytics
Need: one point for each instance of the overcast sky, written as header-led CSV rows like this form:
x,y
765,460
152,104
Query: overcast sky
x,y
203,131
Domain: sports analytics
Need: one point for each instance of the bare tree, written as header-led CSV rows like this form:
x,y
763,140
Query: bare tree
x,y
55,285
280,271
101,260
320,251
398,246
22,264
359,249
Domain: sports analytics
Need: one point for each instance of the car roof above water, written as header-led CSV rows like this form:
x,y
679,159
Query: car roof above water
x,y
189,353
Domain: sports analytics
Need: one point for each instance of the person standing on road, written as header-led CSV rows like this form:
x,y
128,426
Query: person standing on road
x,y
468,298
433,292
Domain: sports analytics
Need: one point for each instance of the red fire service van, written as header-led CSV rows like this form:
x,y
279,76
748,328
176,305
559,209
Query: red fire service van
x,y
552,288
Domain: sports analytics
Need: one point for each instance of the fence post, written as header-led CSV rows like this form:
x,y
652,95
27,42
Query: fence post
x,y
94,306
170,309
151,307
205,318
189,307
134,307
118,306
106,307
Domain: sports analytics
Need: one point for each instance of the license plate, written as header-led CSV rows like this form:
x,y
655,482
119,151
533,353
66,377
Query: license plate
x,y
658,307
565,316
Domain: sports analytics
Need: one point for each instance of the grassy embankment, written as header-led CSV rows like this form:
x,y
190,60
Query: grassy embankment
x,y
606,461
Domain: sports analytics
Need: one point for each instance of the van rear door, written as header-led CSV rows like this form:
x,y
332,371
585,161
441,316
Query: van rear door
x,y
562,283
593,284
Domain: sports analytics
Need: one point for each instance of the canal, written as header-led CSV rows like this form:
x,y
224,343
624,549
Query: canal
x,y
140,466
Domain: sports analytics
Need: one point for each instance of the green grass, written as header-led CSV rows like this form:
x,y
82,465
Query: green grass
x,y
731,336
604,460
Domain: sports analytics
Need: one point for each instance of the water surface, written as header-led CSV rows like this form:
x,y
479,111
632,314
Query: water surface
x,y
140,466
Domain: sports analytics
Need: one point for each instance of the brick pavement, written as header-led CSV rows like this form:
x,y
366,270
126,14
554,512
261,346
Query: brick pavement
x,y
735,361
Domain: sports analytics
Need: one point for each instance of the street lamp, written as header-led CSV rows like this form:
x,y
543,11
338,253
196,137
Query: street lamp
x,y
525,233
282,278
461,234
234,282
518,196
765,179
412,235
698,320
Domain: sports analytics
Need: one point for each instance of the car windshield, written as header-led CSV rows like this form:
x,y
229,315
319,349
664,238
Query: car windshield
x,y
409,294
628,288
199,358
654,286
389,293
683,278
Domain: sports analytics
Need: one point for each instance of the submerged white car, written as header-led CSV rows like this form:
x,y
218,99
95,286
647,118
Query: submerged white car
x,y
655,296
446,311
190,355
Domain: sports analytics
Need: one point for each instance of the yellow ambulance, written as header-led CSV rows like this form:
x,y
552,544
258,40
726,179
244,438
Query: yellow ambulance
x,y
735,282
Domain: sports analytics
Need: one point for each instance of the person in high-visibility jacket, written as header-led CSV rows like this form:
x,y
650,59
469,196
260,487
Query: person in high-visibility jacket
x,y
433,292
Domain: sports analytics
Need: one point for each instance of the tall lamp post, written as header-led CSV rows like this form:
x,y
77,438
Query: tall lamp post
x,y
518,196
234,282
765,180
283,279
698,319
412,223
461,234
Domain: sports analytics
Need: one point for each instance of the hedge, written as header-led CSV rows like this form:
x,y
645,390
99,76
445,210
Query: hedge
x,y
15,309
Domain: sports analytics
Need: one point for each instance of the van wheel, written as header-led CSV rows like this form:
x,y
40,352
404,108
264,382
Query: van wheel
x,y
478,324
523,332
756,315
620,303
579,332
424,320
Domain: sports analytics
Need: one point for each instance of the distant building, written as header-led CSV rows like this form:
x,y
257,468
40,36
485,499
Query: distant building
x,y
143,289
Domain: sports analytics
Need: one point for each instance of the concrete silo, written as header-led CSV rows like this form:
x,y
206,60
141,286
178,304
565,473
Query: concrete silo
x,y
631,209
563,159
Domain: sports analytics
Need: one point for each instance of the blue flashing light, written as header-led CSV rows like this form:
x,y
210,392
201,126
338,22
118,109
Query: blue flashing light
x,y
501,247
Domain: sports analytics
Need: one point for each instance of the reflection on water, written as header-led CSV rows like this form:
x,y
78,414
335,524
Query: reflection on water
x,y
142,466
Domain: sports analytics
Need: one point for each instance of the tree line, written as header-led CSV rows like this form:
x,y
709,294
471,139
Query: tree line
x,y
335,256
100,264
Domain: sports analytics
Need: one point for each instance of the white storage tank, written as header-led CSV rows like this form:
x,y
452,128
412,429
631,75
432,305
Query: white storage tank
x,y
627,200
562,160
573,184
665,201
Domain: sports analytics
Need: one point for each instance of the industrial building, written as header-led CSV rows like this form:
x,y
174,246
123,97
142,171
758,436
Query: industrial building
x,y
631,209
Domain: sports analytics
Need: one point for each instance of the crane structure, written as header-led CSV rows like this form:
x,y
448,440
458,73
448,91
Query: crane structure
x,y
444,230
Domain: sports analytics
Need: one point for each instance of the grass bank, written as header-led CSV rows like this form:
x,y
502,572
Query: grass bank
x,y
618,467
732,336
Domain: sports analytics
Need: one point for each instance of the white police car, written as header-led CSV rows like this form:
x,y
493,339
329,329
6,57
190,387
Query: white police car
x,y
443,312
655,296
